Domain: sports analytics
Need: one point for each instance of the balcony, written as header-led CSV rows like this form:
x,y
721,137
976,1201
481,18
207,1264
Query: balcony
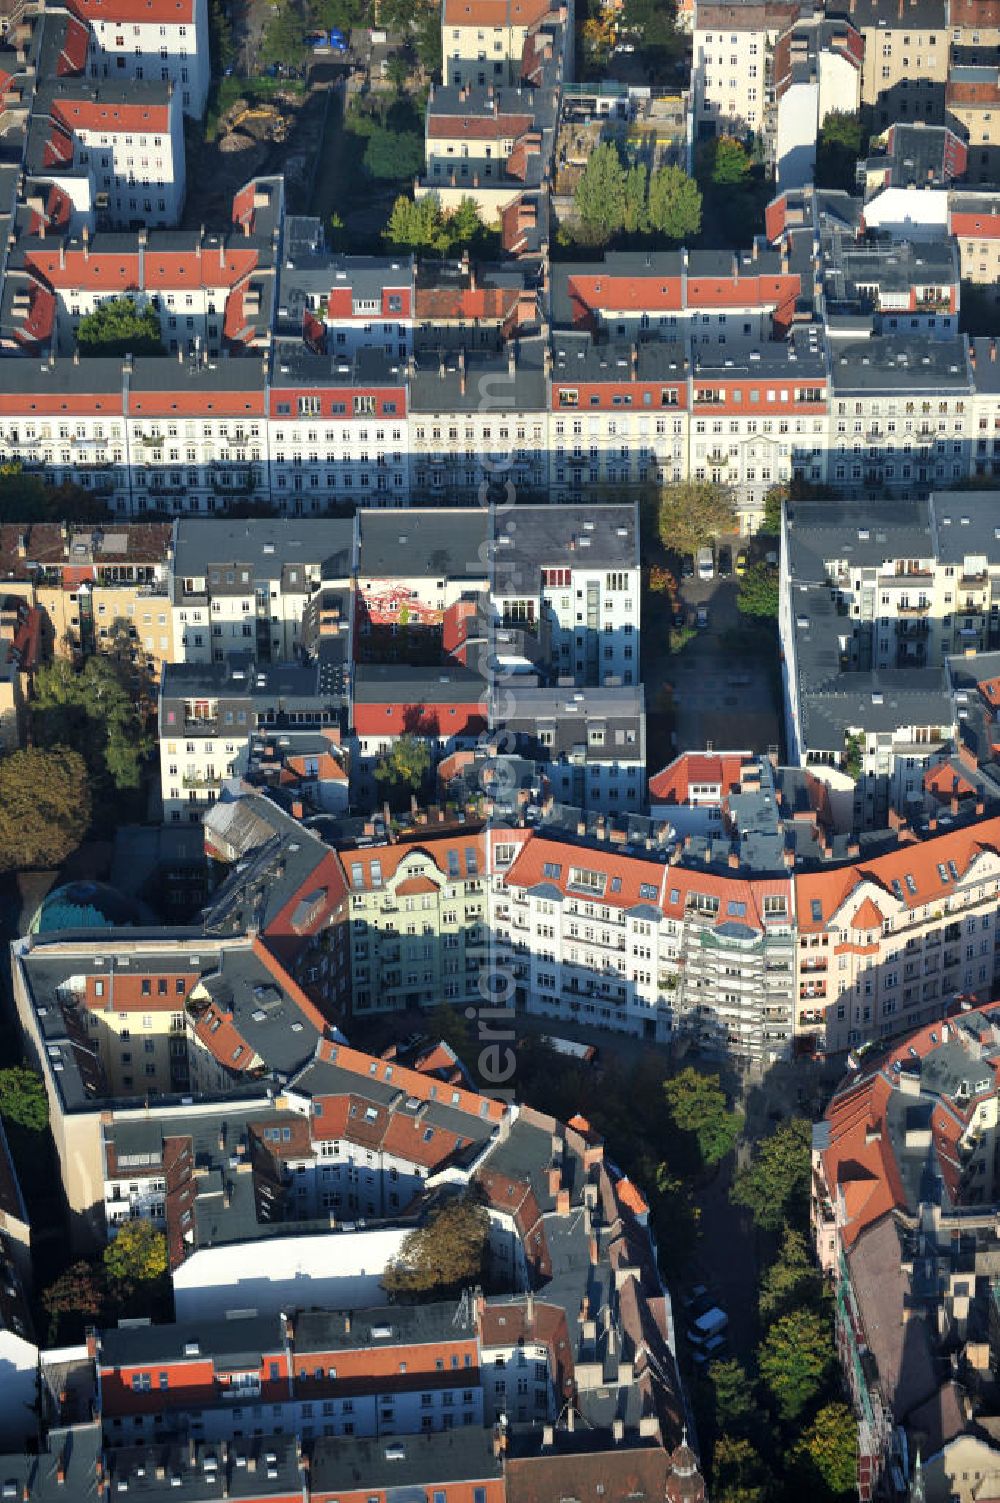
x,y
200,780
917,608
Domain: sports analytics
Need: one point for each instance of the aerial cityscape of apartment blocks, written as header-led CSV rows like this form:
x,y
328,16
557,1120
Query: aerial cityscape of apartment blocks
x,y
499,753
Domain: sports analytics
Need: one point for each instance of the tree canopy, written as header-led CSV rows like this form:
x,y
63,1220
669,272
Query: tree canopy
x,y
730,163
284,37
792,1279
738,1473
674,203
23,1099
795,1359
405,764
443,1257
837,151
775,1187
758,593
828,1452
44,806
600,194
692,513
421,225
137,1255
698,1107
118,326
393,157
93,709
75,1300
736,1410
612,196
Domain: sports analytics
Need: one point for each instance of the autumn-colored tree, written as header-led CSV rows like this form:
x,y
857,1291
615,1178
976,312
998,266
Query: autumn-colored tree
x,y
661,581
828,1452
443,1257
138,1254
44,806
692,512
738,1473
75,1300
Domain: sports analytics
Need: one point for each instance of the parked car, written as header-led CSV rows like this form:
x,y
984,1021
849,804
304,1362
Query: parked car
x,y
712,1323
741,563
706,563
687,566
678,618
725,563
701,617
711,1351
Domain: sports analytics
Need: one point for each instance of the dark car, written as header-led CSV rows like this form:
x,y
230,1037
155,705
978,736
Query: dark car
x,y
678,618
725,566
687,567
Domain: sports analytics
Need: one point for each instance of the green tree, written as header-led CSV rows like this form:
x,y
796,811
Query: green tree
x,y
692,512
792,1280
443,1257
634,216
738,1473
284,38
392,156
758,593
674,203
44,806
837,151
428,39
773,501
730,163
775,1187
138,1254
23,1099
95,710
698,1108
118,326
342,14
222,48
26,498
405,764
464,226
828,1452
795,1359
736,1411
397,71
418,224
854,753
600,195
75,1300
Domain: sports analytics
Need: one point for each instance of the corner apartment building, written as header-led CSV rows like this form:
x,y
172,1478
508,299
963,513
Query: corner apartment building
x,y
627,942
890,945
419,920
903,1178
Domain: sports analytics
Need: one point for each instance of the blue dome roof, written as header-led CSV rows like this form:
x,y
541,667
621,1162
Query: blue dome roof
x,y
86,905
